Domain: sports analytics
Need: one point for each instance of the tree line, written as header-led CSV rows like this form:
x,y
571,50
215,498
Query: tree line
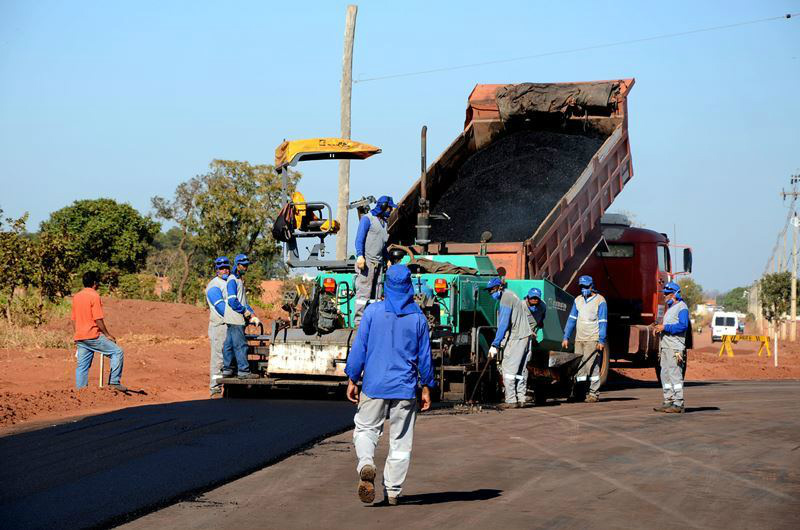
x,y
227,210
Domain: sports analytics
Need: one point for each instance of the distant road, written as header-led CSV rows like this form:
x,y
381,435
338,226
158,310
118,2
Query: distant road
x,y
96,470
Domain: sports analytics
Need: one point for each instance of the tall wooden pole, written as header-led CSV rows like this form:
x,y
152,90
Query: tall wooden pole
x,y
793,314
344,165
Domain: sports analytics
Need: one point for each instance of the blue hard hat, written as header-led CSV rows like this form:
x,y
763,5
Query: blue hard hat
x,y
586,280
387,200
241,259
671,287
494,282
534,293
222,262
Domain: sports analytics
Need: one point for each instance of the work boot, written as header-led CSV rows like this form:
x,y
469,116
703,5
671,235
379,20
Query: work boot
x,y
366,484
675,409
392,501
216,393
663,408
592,398
227,373
506,406
249,375
119,387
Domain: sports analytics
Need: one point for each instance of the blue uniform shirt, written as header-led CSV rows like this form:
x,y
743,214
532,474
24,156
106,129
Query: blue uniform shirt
x,y
392,351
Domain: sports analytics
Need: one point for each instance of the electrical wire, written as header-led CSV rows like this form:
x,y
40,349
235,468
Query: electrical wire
x,y
576,50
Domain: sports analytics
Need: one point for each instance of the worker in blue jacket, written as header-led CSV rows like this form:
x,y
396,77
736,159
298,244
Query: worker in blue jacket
x,y
391,355
217,329
672,350
371,253
238,314
513,336
589,319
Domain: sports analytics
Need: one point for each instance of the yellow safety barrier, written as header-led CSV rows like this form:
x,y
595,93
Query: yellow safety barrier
x,y
727,340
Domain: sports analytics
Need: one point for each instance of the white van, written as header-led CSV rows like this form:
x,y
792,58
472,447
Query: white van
x,y
723,324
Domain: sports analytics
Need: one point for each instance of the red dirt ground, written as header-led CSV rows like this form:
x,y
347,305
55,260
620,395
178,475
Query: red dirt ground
x,y
167,351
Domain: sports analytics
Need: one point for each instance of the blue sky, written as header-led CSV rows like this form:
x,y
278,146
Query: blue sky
x,y
127,99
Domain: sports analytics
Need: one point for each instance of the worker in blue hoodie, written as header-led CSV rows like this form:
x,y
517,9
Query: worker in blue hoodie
x,y
672,350
238,314
391,356
371,255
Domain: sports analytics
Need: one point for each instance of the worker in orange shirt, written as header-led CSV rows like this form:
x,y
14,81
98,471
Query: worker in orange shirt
x,y
91,335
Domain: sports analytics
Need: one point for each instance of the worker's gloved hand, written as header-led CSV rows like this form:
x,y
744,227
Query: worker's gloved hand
x,y
680,356
247,314
600,346
254,320
492,352
565,344
361,262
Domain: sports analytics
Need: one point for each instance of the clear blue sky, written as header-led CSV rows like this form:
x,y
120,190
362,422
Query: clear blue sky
x,y
127,99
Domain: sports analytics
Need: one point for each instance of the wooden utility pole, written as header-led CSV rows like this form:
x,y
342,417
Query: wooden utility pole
x,y
793,310
344,165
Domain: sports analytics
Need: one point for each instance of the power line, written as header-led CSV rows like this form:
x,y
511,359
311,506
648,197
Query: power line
x,y
575,50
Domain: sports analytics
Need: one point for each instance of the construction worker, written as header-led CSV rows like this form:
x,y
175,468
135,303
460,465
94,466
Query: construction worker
x,y
371,254
513,320
537,308
589,317
391,354
217,329
91,335
672,354
237,315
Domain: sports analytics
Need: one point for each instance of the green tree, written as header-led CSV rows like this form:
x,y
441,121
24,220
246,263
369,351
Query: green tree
x,y
106,236
776,292
14,248
691,292
734,300
184,211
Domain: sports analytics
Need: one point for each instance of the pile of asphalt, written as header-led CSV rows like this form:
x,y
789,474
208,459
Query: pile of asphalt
x,y
510,186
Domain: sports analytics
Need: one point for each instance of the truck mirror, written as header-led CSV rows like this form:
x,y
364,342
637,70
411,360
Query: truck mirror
x,y
687,260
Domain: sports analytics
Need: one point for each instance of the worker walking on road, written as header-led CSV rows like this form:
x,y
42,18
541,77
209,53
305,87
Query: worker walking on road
x,y
391,354
513,319
589,317
371,254
237,315
91,335
217,329
672,354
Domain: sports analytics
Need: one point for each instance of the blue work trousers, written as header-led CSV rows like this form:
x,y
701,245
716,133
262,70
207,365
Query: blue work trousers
x,y
235,346
86,350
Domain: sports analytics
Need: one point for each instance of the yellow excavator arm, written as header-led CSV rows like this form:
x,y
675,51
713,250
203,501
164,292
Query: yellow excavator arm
x,y
291,152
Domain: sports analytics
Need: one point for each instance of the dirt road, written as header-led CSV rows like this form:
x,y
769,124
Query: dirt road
x,y
731,462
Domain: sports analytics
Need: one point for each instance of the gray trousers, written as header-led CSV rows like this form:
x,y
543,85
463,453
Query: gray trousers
x,y
515,369
369,420
216,335
672,375
590,371
366,288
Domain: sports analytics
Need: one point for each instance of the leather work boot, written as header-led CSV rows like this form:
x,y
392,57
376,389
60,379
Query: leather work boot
x,y
392,501
674,409
592,398
366,484
248,375
663,408
506,406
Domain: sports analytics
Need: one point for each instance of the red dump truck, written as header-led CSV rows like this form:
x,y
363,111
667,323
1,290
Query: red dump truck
x,y
528,182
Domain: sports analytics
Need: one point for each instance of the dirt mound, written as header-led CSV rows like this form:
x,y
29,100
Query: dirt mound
x,y
143,317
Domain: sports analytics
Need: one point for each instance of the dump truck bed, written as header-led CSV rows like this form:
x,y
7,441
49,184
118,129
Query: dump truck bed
x,y
537,164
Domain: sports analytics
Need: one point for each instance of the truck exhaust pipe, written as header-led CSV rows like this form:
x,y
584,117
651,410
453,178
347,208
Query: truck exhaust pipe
x,y
423,237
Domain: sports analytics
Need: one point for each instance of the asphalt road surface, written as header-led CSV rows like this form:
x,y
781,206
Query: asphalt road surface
x,y
731,462
106,468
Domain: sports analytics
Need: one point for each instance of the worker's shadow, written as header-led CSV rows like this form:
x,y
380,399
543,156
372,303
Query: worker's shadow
x,y
448,496
689,410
